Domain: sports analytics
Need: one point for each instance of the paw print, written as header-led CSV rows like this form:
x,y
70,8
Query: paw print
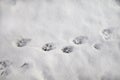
x,y
106,33
48,47
23,42
67,49
4,64
80,40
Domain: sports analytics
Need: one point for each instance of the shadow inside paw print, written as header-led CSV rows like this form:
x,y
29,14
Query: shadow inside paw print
x,y
48,47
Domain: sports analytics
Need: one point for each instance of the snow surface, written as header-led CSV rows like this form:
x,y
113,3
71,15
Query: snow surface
x,y
54,51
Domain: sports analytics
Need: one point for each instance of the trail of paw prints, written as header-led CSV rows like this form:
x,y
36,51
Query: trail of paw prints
x,y
51,46
4,68
79,40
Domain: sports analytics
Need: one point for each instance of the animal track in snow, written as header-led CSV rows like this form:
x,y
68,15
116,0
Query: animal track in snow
x,y
4,64
67,49
106,34
80,40
4,68
97,46
4,73
48,47
23,42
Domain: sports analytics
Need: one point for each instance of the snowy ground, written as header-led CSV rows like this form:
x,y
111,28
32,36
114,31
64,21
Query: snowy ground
x,y
59,39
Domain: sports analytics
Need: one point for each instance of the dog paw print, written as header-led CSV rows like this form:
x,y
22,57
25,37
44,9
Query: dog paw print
x,y
80,40
4,73
23,42
48,47
67,49
4,64
97,46
4,68
106,34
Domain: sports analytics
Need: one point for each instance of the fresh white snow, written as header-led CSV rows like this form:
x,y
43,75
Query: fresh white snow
x,y
52,26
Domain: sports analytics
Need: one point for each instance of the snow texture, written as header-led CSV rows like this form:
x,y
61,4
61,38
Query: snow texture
x,y
59,39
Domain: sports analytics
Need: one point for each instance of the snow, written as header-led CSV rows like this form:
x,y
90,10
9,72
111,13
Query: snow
x,y
59,22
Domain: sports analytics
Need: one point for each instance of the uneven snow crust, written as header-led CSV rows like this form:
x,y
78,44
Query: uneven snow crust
x,y
59,39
